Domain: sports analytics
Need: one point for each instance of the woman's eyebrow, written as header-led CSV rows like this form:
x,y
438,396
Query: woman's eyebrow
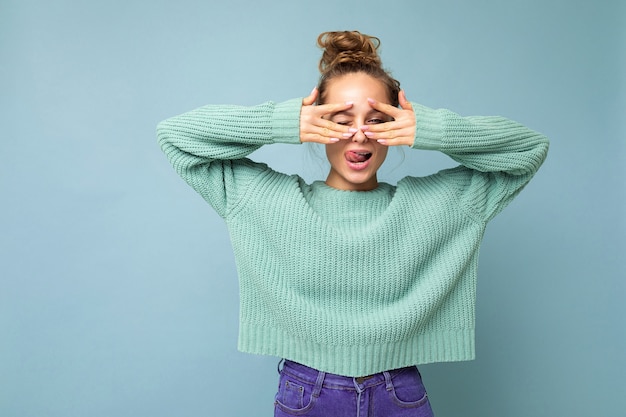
x,y
350,113
341,113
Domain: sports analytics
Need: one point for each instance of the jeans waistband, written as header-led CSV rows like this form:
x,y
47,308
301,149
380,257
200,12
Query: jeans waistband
x,y
312,376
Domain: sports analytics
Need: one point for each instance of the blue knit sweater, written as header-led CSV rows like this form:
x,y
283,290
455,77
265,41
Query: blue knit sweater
x,y
354,282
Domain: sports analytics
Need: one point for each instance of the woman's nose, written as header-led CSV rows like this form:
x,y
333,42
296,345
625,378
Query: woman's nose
x,y
359,137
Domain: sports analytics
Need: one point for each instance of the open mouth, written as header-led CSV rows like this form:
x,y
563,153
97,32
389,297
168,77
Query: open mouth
x,y
358,157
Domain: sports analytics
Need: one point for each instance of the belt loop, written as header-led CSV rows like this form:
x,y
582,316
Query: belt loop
x,y
319,383
358,398
388,383
280,366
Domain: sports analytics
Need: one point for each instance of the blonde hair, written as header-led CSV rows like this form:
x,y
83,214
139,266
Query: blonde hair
x,y
348,52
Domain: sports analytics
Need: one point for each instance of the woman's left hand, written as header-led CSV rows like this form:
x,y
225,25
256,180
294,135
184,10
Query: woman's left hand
x,y
400,131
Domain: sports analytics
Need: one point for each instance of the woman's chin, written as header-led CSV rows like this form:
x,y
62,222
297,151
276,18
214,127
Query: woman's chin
x,y
356,181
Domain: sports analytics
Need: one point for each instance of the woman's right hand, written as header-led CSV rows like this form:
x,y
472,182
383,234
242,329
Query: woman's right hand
x,y
314,127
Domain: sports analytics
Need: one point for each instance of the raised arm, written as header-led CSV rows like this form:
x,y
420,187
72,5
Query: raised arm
x,y
208,146
482,143
498,156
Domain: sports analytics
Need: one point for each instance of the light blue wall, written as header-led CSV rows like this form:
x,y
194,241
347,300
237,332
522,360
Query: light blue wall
x,y
118,293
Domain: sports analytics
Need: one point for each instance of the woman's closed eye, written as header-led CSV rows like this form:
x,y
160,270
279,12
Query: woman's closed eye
x,y
375,118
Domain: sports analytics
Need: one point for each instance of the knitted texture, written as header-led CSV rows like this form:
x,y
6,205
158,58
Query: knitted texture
x,y
354,282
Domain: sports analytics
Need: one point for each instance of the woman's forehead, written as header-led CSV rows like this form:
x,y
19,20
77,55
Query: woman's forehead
x,y
357,87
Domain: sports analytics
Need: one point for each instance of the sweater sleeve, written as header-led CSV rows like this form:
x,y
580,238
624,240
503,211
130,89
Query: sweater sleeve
x,y
497,156
208,147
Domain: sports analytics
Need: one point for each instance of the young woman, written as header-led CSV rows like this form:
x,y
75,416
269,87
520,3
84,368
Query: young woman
x,y
354,282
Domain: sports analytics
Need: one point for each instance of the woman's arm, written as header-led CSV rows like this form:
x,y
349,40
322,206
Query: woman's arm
x,y
482,143
208,146
498,156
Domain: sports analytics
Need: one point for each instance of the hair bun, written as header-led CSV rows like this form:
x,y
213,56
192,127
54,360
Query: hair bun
x,y
348,47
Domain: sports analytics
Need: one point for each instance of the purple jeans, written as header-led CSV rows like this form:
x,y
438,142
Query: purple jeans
x,y
304,391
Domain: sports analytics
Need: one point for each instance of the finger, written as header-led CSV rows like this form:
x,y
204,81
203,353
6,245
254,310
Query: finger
x,y
394,127
388,109
404,140
312,137
391,134
395,142
404,136
310,99
324,136
404,103
329,109
325,131
328,129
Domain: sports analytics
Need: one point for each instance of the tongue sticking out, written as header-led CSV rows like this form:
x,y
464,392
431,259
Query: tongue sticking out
x,y
356,157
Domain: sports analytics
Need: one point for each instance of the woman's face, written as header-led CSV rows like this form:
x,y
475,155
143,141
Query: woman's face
x,y
355,161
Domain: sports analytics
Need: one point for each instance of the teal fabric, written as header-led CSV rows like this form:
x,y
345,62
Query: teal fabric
x,y
354,283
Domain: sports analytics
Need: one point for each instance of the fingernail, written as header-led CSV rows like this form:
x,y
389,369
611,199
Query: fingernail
x,y
348,135
333,140
371,100
382,141
349,103
368,134
353,130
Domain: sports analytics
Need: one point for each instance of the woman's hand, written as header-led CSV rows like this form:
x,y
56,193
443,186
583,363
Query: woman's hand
x,y
400,131
315,128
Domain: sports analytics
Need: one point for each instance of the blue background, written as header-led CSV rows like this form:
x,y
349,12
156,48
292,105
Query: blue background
x,y
118,292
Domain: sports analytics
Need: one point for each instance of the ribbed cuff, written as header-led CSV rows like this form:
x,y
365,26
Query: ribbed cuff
x,y
286,121
429,133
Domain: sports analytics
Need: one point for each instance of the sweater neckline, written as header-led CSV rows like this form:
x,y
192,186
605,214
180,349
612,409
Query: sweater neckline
x,y
356,211
324,189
